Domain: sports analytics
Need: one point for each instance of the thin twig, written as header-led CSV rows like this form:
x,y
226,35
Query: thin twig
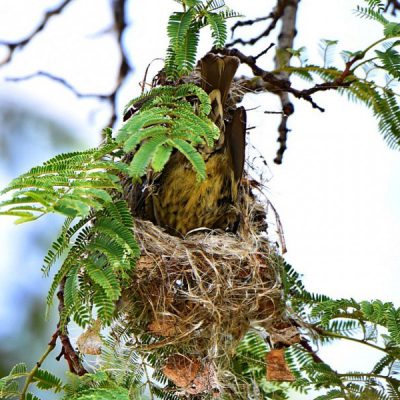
x,y
12,46
264,51
249,22
395,4
124,68
32,373
276,84
59,80
275,15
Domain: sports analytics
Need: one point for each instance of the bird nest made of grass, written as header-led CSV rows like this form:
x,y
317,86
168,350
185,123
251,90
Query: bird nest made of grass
x,y
200,294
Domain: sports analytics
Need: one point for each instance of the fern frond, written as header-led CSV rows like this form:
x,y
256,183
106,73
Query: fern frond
x,y
97,265
166,121
372,14
31,396
392,29
183,31
178,26
218,29
391,61
186,52
46,380
71,184
193,156
62,242
161,157
17,371
104,305
115,393
9,389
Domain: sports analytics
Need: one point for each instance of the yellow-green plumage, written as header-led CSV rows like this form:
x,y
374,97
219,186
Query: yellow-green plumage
x,y
177,201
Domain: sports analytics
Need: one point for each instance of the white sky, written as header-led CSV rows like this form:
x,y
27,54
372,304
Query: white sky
x,y
337,191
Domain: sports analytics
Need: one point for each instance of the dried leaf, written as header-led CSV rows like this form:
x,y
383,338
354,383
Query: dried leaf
x,y
277,368
89,342
181,370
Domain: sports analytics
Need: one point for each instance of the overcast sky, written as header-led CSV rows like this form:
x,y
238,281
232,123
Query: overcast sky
x,y
337,191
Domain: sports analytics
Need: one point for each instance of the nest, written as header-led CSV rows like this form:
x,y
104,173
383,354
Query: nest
x,y
199,295
192,299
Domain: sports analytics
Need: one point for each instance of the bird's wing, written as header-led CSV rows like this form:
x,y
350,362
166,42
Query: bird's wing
x,y
235,141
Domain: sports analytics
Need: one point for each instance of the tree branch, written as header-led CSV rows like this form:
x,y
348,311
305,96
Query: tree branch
x,y
59,80
32,373
271,82
275,15
74,363
395,4
124,68
282,58
249,22
12,46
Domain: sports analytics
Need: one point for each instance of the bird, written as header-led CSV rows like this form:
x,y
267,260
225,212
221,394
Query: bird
x,y
175,200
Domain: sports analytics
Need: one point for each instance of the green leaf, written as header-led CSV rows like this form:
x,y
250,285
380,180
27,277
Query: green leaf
x,y
391,29
193,156
218,29
144,155
185,58
178,26
30,396
46,380
117,393
105,278
161,157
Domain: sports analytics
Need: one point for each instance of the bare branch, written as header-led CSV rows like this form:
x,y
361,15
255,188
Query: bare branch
x,y
59,80
249,22
264,51
282,58
274,84
12,46
275,15
395,4
124,68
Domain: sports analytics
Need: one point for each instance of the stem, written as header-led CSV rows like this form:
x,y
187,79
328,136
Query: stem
x,y
373,45
364,62
144,365
366,374
31,375
338,336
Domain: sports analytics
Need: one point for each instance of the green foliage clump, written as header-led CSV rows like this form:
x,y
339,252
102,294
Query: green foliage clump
x,y
167,120
184,29
70,184
98,261
369,323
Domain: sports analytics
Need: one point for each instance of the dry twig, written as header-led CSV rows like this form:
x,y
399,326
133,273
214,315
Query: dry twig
x,y
12,46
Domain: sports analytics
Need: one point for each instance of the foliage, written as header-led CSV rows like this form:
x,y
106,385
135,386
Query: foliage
x,y
379,93
97,264
99,251
70,184
94,386
369,323
165,121
184,28
45,380
97,239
